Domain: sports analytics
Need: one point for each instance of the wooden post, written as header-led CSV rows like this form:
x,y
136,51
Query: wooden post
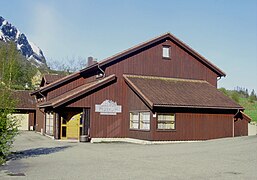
x,y
83,122
57,126
87,121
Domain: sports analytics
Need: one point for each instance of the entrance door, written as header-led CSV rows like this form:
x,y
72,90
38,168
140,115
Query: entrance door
x,y
71,126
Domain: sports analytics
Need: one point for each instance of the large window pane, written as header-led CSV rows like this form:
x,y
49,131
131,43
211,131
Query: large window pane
x,y
49,126
145,120
166,121
134,120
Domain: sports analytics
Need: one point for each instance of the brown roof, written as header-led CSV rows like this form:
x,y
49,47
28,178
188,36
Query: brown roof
x,y
68,96
63,80
246,117
24,100
50,78
130,51
174,92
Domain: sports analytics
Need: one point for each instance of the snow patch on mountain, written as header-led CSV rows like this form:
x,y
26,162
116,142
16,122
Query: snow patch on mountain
x,y
33,53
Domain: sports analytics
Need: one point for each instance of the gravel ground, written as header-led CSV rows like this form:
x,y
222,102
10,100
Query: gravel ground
x,y
38,157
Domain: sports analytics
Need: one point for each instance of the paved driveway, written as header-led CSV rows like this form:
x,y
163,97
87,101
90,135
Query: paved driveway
x,y
38,157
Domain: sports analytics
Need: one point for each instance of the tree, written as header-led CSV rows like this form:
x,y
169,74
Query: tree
x,y
225,92
15,70
8,125
68,64
252,96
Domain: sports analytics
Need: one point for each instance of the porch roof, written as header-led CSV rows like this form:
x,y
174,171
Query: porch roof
x,y
180,93
70,95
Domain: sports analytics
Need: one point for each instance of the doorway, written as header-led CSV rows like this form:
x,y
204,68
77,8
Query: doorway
x,y
75,124
71,125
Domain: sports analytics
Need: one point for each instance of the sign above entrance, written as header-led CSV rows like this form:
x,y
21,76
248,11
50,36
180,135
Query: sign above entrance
x,y
108,107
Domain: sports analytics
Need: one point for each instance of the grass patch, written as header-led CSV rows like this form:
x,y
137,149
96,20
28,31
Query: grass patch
x,y
242,97
250,108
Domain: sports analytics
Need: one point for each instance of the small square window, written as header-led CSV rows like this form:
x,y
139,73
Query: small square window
x,y
166,51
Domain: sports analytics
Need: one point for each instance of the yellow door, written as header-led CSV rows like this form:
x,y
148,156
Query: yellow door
x,y
73,127
70,128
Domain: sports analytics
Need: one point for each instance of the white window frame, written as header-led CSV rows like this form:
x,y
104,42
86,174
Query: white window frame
x,y
166,52
166,123
140,120
49,123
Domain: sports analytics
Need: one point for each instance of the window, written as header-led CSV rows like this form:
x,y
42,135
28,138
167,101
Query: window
x,y
50,123
166,121
134,120
140,120
166,51
145,120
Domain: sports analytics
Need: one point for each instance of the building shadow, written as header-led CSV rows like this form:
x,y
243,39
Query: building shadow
x,y
36,152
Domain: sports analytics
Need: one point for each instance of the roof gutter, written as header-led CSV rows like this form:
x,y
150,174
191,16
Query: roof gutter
x,y
200,107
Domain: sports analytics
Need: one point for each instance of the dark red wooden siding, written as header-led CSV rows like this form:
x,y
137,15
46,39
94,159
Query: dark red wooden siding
x,y
39,120
103,125
32,117
189,126
150,62
63,89
241,127
193,126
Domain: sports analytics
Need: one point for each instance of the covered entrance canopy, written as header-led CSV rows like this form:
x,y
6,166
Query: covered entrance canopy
x,y
72,123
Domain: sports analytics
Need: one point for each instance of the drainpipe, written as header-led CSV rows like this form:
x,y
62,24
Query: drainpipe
x,y
101,71
233,135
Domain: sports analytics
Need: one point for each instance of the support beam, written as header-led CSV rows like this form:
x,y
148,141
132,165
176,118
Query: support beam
x,y
57,126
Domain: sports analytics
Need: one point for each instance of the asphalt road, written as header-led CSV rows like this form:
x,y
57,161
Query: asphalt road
x,y
38,157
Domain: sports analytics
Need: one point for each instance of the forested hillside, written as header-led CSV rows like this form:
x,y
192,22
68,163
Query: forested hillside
x,y
19,73
15,71
245,98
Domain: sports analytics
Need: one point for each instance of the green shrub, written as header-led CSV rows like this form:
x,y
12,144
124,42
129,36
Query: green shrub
x,y
8,125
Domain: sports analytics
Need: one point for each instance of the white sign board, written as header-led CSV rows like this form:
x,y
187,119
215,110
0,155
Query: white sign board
x,y
108,107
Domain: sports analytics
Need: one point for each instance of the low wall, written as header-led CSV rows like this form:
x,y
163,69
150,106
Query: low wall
x,y
252,129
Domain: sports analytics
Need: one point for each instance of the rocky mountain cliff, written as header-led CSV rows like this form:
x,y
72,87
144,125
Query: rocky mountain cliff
x,y
28,49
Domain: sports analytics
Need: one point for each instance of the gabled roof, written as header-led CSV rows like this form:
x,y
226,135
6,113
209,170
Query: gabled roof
x,y
241,115
24,100
63,80
50,78
166,36
161,38
70,95
180,93
246,117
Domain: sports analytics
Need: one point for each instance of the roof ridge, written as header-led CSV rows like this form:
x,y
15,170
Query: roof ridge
x,y
181,43
76,92
133,47
166,78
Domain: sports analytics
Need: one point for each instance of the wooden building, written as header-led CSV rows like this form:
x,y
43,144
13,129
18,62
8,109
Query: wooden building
x,y
158,90
25,109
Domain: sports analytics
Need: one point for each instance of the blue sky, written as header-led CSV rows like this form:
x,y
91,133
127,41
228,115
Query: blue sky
x,y
223,31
